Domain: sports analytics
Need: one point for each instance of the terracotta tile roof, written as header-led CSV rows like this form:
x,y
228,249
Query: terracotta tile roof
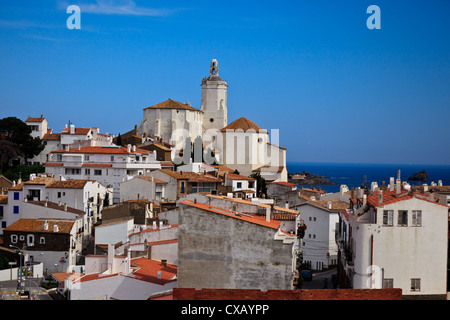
x,y
40,181
147,270
52,136
69,184
97,165
35,119
191,176
147,178
172,104
392,197
336,205
243,124
54,164
17,187
288,184
81,131
222,168
259,220
37,225
234,176
103,150
61,276
56,206
162,242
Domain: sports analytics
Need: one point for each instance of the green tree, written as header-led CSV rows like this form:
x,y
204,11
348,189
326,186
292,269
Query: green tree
x,y
22,143
261,188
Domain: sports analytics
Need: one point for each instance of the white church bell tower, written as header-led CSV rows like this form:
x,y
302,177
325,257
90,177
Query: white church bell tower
x,y
214,99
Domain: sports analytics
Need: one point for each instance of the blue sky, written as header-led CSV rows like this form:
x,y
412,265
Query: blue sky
x,y
337,91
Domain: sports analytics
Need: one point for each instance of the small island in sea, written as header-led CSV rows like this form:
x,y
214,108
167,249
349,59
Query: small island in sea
x,y
419,176
306,178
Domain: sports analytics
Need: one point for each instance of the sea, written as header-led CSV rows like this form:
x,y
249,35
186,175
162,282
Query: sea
x,y
357,174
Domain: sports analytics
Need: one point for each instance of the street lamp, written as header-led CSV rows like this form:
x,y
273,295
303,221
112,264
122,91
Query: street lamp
x,y
20,261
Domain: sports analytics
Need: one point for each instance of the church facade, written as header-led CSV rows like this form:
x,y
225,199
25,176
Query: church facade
x,y
241,145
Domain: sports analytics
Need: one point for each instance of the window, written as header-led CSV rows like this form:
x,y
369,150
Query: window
x,y
1,212
16,209
112,158
41,240
97,172
182,187
13,238
402,218
87,171
16,196
30,240
415,284
388,217
251,184
86,158
239,185
3,224
416,218
59,194
388,283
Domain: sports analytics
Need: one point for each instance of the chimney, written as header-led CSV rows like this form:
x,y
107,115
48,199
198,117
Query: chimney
x,y
398,186
134,148
45,225
364,199
329,205
65,206
268,214
55,228
60,203
391,184
66,147
425,188
398,175
286,205
129,148
46,203
159,275
164,263
440,183
380,196
72,129
154,225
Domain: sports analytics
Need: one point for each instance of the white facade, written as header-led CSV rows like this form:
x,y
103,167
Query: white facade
x,y
318,245
214,99
401,244
108,165
142,187
113,232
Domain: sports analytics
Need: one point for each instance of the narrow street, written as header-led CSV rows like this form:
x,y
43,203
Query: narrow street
x,y
318,279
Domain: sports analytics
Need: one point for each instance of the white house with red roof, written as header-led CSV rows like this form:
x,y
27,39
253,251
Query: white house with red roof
x,y
241,186
395,238
109,165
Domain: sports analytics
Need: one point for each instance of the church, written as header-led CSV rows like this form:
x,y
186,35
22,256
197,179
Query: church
x,y
241,145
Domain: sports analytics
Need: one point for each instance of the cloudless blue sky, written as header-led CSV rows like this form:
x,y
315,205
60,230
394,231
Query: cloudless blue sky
x,y
337,91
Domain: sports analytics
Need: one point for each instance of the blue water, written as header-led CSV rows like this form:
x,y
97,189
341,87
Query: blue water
x,y
354,174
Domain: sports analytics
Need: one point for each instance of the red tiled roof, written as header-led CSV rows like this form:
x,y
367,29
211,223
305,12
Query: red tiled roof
x,y
148,271
243,124
392,197
69,184
172,104
281,183
191,176
54,164
37,225
259,220
35,119
51,136
56,206
234,176
40,180
83,131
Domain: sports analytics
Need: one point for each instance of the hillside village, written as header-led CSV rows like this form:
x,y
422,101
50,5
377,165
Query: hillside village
x,y
150,214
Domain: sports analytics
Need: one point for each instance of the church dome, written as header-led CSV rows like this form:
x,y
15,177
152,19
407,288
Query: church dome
x,y
243,124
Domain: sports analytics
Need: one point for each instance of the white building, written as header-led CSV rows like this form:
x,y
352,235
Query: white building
x,y
109,165
241,186
53,141
143,187
321,218
395,239
240,145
